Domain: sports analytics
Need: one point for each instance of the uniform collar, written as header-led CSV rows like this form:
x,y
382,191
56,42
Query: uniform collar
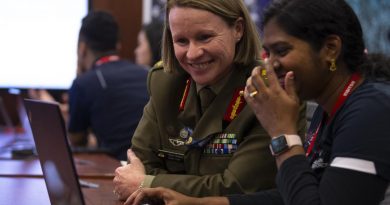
x,y
217,87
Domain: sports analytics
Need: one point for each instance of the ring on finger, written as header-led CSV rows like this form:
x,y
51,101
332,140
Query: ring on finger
x,y
252,94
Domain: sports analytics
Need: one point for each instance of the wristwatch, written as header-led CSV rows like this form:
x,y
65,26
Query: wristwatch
x,y
283,143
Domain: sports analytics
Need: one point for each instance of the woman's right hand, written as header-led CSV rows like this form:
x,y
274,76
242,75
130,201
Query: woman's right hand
x,y
159,196
276,108
166,196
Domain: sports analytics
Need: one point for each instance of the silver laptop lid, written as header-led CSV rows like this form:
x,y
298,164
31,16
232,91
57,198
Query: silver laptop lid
x,y
54,152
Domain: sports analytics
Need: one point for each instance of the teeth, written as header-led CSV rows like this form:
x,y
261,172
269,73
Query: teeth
x,y
200,65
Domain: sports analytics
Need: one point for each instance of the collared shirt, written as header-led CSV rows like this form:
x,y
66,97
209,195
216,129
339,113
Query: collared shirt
x,y
217,87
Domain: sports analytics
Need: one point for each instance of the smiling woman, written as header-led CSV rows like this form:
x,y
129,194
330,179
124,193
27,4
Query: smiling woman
x,y
209,50
205,51
316,48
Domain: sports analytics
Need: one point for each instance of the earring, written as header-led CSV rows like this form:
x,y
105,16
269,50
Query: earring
x,y
333,66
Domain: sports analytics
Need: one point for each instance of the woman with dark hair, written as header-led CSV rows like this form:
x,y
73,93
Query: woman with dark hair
x,y
148,50
316,51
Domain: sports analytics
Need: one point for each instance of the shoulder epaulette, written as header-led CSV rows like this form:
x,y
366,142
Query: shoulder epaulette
x,y
159,64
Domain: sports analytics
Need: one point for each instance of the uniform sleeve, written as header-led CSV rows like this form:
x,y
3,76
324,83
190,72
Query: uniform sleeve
x,y
146,137
147,132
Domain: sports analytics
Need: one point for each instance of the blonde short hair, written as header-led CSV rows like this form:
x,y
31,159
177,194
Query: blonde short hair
x,y
247,50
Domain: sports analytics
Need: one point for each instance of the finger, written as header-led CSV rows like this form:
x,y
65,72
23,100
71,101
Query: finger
x,y
257,80
129,201
255,71
273,81
290,85
132,157
118,171
250,91
132,197
250,100
139,199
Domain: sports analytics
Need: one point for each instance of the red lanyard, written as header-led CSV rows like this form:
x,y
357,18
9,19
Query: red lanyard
x,y
341,99
106,59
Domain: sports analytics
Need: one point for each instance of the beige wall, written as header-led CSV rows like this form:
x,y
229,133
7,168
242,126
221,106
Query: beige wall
x,y
128,13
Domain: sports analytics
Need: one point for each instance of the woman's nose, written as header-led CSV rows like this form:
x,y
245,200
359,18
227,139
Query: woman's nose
x,y
272,61
194,51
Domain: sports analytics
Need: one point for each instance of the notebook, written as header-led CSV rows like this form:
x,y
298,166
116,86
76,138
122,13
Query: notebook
x,y
54,152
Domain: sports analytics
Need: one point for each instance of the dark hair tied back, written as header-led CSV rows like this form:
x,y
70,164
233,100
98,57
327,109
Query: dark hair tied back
x,y
314,20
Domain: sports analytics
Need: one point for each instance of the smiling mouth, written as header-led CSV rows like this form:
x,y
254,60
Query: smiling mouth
x,y
200,65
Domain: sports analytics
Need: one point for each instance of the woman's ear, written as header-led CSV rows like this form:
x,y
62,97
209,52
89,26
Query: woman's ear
x,y
332,47
239,29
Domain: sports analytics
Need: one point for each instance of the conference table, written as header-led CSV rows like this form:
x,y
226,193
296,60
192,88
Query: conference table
x,y
22,182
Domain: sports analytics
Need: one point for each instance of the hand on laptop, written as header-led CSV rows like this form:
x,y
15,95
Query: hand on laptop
x,y
128,178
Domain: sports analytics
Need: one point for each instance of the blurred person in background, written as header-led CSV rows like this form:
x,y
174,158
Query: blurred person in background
x,y
148,51
108,95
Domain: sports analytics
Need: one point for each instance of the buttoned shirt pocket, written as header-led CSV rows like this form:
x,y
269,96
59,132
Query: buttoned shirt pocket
x,y
174,161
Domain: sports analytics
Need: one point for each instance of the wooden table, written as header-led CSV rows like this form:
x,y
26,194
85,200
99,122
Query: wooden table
x,y
26,190
22,182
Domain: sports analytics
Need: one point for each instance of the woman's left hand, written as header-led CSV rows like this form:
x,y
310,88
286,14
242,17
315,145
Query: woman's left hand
x,y
128,178
276,108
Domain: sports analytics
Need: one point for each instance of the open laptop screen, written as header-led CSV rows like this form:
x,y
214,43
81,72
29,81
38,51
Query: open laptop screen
x,y
54,153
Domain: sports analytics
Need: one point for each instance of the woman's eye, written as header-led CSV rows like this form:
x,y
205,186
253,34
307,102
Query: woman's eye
x,y
204,37
281,51
181,41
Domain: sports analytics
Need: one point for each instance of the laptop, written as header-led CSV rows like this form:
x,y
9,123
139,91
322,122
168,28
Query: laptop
x,y
19,144
5,117
54,152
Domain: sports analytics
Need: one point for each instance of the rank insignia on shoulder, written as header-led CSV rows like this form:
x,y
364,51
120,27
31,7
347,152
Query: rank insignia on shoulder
x,y
223,143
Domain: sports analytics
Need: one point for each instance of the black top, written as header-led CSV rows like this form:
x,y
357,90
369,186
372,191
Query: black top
x,y
109,99
359,130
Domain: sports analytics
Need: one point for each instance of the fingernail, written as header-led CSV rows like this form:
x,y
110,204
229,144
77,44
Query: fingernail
x,y
291,76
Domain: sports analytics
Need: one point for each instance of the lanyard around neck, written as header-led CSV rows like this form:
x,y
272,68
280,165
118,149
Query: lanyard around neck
x,y
106,59
340,101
